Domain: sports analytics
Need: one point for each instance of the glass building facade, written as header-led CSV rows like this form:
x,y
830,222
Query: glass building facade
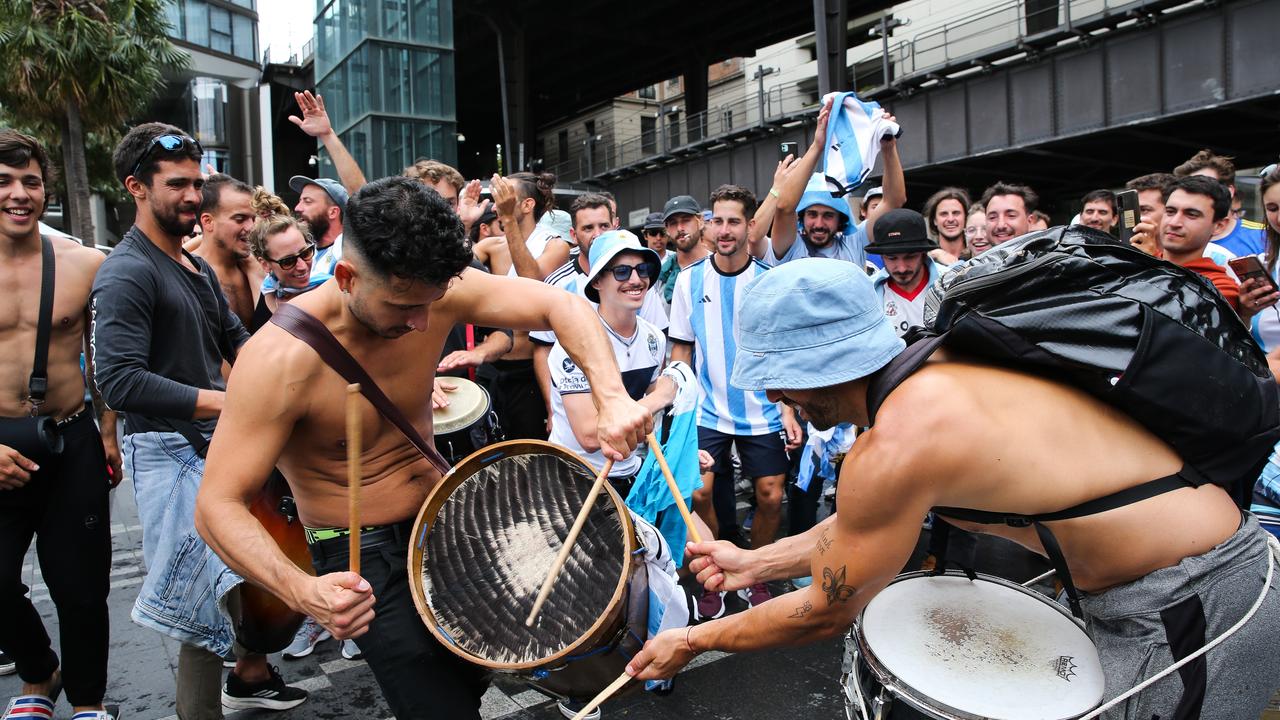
x,y
385,69
216,26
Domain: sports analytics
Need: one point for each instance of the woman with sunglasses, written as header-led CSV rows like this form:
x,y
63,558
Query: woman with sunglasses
x,y
286,250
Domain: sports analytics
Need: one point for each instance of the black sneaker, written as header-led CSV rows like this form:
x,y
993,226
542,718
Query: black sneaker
x,y
7,665
270,694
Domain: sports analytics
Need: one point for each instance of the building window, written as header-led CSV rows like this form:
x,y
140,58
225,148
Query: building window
x,y
673,130
673,82
648,134
562,146
648,92
726,119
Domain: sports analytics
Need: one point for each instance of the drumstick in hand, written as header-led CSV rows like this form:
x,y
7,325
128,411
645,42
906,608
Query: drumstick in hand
x,y
353,473
569,540
604,695
656,448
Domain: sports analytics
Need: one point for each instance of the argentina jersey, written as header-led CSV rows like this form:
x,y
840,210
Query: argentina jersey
x,y
704,309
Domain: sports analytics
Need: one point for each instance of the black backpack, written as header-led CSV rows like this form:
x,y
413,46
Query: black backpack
x,y
1148,337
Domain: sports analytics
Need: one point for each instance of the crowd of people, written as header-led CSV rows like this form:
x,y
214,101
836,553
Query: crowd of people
x,y
771,308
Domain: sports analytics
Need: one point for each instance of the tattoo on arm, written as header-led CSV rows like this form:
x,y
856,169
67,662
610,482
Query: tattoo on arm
x,y
835,588
824,543
801,611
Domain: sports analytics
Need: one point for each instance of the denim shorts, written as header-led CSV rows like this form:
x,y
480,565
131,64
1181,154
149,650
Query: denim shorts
x,y
184,593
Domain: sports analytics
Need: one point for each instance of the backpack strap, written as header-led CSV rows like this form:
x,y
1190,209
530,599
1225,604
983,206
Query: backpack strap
x,y
38,384
920,345
311,331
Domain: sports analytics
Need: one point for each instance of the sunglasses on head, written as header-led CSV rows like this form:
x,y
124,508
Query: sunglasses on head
x,y
169,143
305,254
1268,170
622,273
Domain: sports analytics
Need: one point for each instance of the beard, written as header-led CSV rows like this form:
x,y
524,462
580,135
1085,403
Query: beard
x,y
319,225
168,220
685,243
828,238
360,313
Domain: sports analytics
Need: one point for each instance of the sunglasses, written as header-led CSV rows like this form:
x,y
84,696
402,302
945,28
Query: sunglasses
x,y
1268,170
622,273
652,233
169,143
305,254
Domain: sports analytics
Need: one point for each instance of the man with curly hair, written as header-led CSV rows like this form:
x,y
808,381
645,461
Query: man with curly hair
x,y
402,283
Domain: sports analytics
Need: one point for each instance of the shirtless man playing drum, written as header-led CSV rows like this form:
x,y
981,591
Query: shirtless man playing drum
x,y
1188,554
402,283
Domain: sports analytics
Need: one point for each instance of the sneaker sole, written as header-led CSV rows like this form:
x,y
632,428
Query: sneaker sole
x,y
298,655
249,703
8,669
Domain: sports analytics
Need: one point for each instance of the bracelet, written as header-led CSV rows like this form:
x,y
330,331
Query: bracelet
x,y
689,631
774,192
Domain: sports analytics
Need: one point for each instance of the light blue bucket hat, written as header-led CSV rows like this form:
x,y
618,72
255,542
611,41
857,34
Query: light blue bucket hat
x,y
811,323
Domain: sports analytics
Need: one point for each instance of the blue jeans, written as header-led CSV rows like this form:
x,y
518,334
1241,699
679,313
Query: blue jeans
x,y
184,594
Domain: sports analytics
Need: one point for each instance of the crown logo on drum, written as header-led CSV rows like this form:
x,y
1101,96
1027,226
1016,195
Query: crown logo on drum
x,y
1065,667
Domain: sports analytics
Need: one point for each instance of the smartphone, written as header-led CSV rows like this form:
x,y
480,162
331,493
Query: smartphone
x,y
789,148
1250,266
1127,205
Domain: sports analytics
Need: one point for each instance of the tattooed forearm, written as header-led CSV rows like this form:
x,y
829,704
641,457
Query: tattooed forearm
x,y
801,611
833,585
824,543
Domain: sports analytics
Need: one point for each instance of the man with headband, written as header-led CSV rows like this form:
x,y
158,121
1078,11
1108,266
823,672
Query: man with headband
x,y
1169,571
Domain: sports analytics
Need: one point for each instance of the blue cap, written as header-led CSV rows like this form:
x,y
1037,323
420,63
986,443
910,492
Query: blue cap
x,y
811,323
332,188
817,192
606,246
557,221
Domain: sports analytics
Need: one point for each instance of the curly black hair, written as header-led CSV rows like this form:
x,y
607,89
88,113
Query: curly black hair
x,y
400,227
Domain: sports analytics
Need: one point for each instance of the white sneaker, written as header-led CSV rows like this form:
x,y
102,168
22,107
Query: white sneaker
x,y
304,642
351,651
570,709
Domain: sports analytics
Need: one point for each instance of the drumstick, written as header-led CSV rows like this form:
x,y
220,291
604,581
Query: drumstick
x,y
578,522
656,448
353,473
604,695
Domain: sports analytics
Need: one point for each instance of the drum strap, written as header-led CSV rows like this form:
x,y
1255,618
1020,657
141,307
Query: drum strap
x,y
311,331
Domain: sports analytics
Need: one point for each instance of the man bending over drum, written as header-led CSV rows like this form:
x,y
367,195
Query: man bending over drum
x,y
404,269
1169,571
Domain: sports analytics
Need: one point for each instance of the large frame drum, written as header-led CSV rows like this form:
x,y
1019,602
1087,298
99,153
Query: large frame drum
x,y
482,546
949,648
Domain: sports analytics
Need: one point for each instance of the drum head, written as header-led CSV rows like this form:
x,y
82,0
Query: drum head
x,y
467,404
984,648
488,535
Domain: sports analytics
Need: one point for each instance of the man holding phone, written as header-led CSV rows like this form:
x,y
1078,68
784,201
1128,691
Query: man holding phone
x,y
1196,208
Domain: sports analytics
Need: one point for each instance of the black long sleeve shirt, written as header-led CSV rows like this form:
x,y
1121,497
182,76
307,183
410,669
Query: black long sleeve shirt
x,y
160,333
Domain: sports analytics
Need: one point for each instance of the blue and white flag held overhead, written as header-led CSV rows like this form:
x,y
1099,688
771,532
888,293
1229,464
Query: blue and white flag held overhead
x,y
853,141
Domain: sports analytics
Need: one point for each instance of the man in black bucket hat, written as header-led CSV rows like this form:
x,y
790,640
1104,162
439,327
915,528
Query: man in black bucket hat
x,y
901,238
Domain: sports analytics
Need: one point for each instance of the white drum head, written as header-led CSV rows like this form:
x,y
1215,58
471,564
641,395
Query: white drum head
x,y
467,404
981,648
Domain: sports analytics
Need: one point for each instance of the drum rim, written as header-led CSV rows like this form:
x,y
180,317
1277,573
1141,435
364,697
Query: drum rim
x,y
913,695
462,422
452,480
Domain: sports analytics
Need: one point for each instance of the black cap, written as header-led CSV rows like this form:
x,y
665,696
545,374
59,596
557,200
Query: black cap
x,y
653,221
900,231
488,216
681,204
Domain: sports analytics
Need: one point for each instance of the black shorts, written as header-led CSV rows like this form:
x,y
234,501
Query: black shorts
x,y
761,455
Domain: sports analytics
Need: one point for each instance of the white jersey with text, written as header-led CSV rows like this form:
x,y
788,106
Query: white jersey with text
x,y
640,361
704,311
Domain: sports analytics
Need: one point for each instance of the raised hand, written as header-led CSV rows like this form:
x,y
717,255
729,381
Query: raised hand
x,y
314,120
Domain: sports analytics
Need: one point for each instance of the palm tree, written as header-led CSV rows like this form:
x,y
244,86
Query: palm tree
x,y
80,66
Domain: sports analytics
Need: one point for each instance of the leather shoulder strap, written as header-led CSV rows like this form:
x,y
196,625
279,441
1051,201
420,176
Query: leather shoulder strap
x,y
313,332
38,385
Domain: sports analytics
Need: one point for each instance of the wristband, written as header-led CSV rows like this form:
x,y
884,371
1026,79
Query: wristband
x,y
774,192
689,631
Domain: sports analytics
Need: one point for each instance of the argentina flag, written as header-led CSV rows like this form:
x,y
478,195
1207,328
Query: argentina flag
x,y
853,141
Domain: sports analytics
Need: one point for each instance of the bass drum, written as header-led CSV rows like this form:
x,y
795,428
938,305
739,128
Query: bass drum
x,y
484,542
949,648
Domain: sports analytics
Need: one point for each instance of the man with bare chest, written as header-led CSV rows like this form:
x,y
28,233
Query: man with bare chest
x,y
402,283
1159,576
226,217
61,498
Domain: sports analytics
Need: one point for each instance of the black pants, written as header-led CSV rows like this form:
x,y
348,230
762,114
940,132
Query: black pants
x,y
419,677
65,506
517,400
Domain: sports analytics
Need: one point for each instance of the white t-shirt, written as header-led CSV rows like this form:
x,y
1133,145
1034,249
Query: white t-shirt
x,y
640,361
850,247
704,311
571,278
904,310
536,242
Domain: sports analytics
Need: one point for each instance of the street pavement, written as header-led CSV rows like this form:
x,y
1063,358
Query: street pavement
x,y
797,682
